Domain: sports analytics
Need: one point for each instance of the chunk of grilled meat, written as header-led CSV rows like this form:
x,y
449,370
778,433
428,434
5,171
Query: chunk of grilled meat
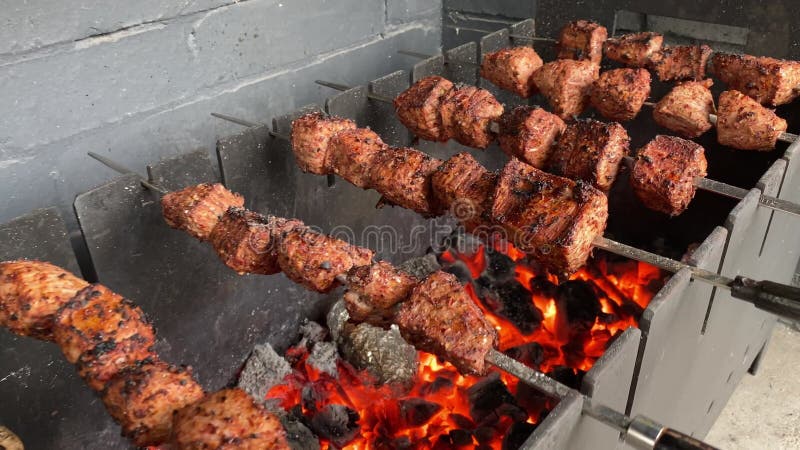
x,y
769,81
314,259
553,218
686,108
582,40
31,292
352,154
464,187
197,209
247,242
633,50
567,84
511,69
373,291
590,151
744,124
103,333
142,399
403,176
684,62
228,419
467,113
620,93
311,134
441,318
418,108
528,133
664,172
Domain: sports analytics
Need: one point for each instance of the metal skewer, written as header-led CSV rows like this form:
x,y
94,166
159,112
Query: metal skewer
x,y
445,57
640,432
248,124
514,36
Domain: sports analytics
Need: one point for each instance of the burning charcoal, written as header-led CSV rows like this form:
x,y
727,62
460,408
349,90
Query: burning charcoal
x,y
487,396
511,300
532,399
499,267
578,305
567,376
460,270
264,369
484,447
438,384
336,319
462,421
324,357
416,412
298,435
530,354
421,267
460,438
384,353
311,333
462,243
517,435
543,286
484,435
336,423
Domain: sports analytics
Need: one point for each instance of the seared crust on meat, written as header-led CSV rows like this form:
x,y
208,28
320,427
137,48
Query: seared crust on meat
x,y
228,419
684,62
467,114
664,172
620,93
247,242
686,108
314,259
102,333
373,291
352,155
511,69
403,176
418,108
142,399
197,209
310,136
590,151
528,133
553,218
744,124
567,84
464,187
769,81
31,292
582,40
633,50
441,318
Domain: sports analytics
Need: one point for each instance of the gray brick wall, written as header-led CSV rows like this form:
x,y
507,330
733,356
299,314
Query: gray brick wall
x,y
137,80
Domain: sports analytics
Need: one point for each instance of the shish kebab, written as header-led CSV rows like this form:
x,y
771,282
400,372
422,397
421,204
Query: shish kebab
x,y
585,150
436,314
532,207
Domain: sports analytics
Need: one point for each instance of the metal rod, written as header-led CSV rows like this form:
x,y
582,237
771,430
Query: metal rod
x,y
447,60
344,87
248,124
124,170
514,36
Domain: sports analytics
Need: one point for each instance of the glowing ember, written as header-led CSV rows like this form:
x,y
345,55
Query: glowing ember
x,y
579,318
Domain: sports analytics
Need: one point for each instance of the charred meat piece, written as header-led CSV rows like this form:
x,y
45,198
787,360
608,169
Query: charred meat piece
x,y
142,399
352,155
314,259
511,69
418,108
467,113
686,108
464,187
567,84
620,93
769,81
664,172
633,50
528,133
197,209
103,333
310,136
247,242
403,177
744,124
582,40
552,218
228,419
590,151
373,291
685,62
441,318
31,292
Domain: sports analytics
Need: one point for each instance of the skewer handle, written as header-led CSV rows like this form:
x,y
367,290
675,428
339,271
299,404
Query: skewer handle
x,y
644,433
776,298
735,192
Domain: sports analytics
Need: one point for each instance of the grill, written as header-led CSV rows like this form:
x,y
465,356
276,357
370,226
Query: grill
x,y
693,344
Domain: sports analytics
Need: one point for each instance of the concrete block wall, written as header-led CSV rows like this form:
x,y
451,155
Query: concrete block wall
x,y
138,80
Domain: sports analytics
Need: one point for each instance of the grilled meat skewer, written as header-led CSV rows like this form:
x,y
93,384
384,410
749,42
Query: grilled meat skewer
x,y
769,81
